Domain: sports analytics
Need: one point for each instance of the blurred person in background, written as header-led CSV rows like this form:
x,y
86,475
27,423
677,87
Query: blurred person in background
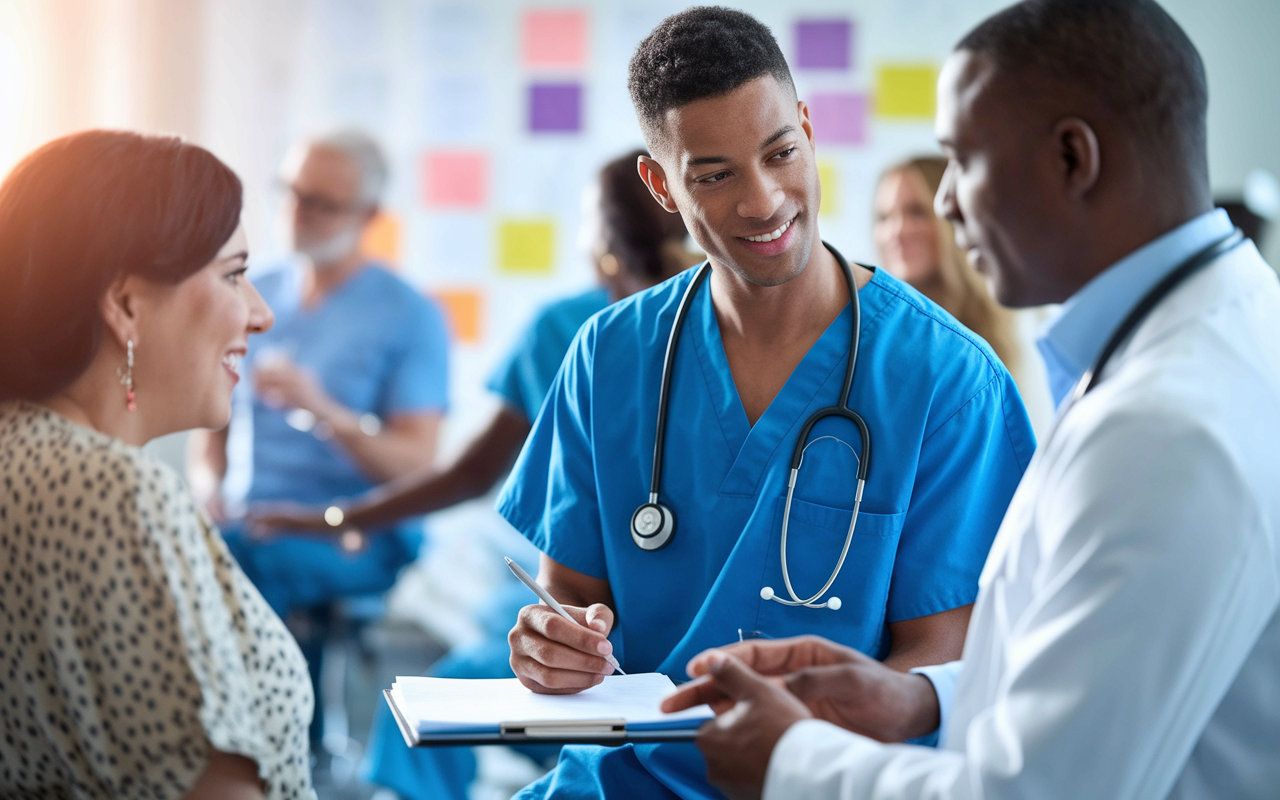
x,y
139,659
634,244
346,391
918,247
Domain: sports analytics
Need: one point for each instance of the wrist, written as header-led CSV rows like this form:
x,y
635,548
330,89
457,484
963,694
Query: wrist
x,y
922,713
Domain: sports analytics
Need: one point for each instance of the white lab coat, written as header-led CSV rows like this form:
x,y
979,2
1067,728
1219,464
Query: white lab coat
x,y
1126,641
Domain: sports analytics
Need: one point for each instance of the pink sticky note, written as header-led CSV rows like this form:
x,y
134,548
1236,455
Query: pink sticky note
x,y
455,179
555,38
839,117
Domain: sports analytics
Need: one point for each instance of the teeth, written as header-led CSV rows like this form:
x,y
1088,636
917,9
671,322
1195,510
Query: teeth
x,y
769,237
232,362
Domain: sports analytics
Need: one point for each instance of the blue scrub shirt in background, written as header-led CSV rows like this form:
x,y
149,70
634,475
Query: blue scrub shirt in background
x,y
444,773
950,442
377,346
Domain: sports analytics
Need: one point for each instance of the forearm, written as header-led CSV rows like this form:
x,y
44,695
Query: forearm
x,y
382,454
935,639
484,461
572,588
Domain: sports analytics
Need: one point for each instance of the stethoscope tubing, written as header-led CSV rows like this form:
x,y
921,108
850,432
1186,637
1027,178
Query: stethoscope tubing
x,y
642,536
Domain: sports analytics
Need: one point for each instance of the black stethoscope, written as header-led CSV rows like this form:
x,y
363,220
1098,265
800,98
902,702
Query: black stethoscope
x,y
1149,301
653,525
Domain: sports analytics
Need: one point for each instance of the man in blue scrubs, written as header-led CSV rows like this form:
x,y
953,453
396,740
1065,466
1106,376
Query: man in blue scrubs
x,y
347,392
764,345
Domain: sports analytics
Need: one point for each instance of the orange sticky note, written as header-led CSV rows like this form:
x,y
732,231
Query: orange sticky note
x,y
463,308
455,179
555,38
906,91
381,239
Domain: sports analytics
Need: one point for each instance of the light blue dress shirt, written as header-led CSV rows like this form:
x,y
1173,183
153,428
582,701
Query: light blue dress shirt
x,y
1074,339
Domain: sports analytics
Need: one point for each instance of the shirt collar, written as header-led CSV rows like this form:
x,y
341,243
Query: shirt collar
x,y
1074,339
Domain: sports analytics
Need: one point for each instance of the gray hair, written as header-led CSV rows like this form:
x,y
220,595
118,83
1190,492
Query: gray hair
x,y
365,151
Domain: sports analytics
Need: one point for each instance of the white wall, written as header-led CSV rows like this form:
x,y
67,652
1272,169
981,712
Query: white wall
x,y
245,77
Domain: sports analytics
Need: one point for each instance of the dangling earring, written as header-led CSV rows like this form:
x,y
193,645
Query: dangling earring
x,y
126,377
609,264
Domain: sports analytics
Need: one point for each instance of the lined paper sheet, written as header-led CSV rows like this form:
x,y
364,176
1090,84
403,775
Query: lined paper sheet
x,y
455,705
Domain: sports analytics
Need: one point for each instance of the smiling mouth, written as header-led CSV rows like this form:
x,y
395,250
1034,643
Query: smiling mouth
x,y
771,235
232,362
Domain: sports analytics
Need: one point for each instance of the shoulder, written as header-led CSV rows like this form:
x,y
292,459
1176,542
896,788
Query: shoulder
x,y
646,315
571,311
928,350
397,298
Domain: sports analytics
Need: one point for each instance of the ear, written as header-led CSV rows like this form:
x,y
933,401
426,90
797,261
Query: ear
x,y
806,125
653,176
119,309
1079,157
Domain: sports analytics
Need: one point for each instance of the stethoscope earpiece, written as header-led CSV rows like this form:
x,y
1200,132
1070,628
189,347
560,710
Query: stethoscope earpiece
x,y
832,603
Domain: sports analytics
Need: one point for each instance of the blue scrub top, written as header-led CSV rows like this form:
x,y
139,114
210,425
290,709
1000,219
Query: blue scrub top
x,y
524,377
376,345
950,442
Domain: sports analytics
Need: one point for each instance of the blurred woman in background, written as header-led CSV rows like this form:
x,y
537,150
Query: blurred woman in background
x,y
140,661
918,247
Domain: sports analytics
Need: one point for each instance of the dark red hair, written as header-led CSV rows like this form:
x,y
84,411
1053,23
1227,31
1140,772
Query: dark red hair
x,y
78,213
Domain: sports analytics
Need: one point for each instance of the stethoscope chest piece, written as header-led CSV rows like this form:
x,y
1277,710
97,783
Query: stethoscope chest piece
x,y
652,526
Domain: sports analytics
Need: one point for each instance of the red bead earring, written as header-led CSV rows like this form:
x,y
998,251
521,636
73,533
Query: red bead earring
x,y
126,377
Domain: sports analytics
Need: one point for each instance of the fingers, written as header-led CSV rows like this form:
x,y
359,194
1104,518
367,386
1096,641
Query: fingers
x,y
781,656
694,693
552,655
818,684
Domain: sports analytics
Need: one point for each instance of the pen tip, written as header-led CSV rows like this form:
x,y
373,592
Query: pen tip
x,y
504,558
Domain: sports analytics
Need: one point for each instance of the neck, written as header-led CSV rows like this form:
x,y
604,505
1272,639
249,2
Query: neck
x,y
320,280
97,400
1144,209
767,315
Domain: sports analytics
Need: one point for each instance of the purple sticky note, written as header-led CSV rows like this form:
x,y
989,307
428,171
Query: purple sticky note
x,y
839,117
555,107
824,44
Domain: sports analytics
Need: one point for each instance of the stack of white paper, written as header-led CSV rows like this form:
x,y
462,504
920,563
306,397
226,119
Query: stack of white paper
x,y
442,706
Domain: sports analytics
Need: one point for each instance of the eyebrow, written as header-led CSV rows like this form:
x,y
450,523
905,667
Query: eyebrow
x,y
778,134
243,255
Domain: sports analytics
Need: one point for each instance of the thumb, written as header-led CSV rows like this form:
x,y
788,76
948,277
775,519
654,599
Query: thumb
x,y
600,618
733,677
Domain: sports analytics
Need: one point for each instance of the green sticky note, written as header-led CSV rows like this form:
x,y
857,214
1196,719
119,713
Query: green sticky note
x,y
906,91
828,178
526,246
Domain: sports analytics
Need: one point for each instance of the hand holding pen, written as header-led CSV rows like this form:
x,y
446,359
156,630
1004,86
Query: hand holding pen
x,y
559,650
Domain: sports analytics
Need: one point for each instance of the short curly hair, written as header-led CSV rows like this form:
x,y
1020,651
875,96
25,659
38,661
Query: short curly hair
x,y
701,52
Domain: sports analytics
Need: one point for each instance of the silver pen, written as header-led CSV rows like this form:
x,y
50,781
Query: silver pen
x,y
551,601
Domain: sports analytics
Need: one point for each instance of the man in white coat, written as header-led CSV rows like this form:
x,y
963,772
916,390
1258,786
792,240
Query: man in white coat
x,y
1126,640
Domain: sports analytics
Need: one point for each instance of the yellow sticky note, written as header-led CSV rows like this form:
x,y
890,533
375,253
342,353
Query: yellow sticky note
x,y
526,246
828,178
464,310
906,91
381,240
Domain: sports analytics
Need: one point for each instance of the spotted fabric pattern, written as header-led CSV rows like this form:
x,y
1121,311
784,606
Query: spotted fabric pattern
x,y
130,640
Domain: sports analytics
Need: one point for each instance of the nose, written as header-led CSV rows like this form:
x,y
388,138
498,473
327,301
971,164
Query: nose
x,y
261,317
762,196
944,202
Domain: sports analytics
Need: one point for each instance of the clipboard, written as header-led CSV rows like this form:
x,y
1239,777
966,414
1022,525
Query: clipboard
x,y
597,731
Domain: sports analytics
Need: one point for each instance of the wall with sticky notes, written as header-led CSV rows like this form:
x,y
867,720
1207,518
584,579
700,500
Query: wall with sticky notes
x,y
497,114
